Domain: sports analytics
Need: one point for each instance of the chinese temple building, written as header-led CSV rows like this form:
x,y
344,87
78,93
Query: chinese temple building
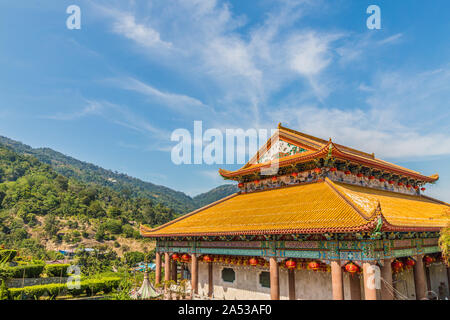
x,y
312,220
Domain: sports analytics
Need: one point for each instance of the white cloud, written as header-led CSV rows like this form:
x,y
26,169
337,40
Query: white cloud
x,y
178,102
310,54
92,108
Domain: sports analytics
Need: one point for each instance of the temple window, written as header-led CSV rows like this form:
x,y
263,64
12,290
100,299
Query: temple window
x,y
228,275
264,279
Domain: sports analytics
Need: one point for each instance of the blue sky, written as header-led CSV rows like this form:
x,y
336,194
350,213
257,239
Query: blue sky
x,y
113,92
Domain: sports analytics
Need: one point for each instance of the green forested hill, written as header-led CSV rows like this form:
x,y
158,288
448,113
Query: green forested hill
x,y
90,173
215,194
39,207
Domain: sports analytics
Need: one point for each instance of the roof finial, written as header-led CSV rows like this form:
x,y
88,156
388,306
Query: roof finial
x,y
279,125
330,139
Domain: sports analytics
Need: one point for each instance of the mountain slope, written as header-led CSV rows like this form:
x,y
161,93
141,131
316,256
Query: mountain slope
x,y
215,194
41,209
133,187
90,173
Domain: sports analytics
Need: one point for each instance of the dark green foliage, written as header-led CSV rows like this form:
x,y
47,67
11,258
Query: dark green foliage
x,y
7,255
56,270
4,292
134,257
92,262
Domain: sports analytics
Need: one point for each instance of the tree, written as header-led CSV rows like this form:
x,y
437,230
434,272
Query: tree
x,y
134,257
114,212
51,225
62,182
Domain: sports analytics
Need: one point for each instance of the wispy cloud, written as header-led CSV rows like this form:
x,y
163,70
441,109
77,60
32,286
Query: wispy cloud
x,y
91,108
179,102
119,115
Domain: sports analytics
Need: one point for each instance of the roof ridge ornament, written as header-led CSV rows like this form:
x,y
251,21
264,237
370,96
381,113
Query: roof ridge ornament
x,y
376,233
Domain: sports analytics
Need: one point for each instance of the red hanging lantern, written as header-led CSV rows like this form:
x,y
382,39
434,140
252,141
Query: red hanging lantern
x,y
410,263
256,181
397,265
185,257
240,185
274,179
408,186
382,180
207,258
428,259
423,189
317,170
371,177
175,257
416,187
347,172
295,174
313,265
360,175
391,181
253,262
351,268
400,184
291,264
333,169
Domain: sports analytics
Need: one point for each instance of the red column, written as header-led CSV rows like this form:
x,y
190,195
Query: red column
x,y
336,281
194,274
173,269
158,268
370,290
387,292
210,280
419,278
274,279
291,280
166,267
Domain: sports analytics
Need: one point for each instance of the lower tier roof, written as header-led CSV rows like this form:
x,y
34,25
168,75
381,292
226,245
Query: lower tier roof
x,y
318,207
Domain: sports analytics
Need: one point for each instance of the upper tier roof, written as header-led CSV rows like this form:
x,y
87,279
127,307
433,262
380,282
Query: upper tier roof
x,y
305,148
318,207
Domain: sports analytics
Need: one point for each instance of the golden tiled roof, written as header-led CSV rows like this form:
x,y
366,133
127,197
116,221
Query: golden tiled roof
x,y
318,207
400,210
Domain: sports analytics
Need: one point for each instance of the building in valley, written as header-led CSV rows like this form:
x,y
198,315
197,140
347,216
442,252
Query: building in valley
x,y
313,220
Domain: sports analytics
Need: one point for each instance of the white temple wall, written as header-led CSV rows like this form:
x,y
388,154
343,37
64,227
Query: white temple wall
x,y
309,285
438,274
404,283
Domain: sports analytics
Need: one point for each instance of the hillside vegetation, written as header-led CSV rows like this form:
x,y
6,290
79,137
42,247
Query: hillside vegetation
x,y
41,209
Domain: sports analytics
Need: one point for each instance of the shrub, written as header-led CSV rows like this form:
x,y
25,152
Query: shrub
x,y
7,255
56,270
90,287
35,292
27,271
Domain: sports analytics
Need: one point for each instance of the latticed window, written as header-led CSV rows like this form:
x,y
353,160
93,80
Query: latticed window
x,y
228,275
264,279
